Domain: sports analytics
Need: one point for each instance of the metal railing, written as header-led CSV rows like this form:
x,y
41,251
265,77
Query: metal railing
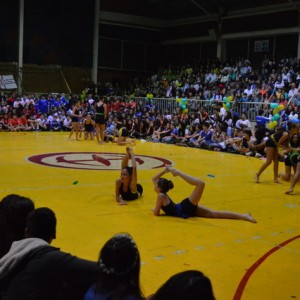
x,y
194,105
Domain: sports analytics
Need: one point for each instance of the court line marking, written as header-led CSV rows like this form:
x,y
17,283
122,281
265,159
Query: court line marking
x,y
241,287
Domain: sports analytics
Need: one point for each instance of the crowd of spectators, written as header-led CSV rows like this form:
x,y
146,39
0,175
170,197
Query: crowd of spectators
x,y
213,79
207,121
213,126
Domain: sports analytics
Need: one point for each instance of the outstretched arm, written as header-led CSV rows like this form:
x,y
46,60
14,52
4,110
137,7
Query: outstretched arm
x,y
157,176
119,199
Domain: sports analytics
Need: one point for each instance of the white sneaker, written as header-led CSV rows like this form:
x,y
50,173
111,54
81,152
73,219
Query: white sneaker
x,y
258,155
249,153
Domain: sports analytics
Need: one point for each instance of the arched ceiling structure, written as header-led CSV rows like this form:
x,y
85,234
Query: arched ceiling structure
x,y
165,13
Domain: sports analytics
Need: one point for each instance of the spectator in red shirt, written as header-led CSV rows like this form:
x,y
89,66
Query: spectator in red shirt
x,y
14,123
24,124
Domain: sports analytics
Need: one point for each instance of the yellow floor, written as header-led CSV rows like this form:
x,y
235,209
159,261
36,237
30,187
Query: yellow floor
x,y
243,260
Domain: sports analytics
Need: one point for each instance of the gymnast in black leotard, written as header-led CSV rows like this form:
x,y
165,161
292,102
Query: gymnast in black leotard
x,y
76,115
280,139
89,127
127,188
100,116
189,207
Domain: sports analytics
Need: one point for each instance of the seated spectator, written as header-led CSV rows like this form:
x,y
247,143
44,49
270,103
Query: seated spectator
x,y
192,135
140,131
32,122
187,285
173,135
55,124
150,130
42,123
34,270
49,120
233,142
24,124
67,124
243,120
246,144
162,131
5,122
119,277
219,138
13,124
205,138
14,210
110,130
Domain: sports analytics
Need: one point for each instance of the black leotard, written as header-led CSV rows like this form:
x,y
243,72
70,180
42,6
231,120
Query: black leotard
x,y
129,195
75,118
100,118
184,209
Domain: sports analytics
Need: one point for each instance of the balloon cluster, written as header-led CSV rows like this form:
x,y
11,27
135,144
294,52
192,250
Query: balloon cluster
x,y
183,104
277,108
227,102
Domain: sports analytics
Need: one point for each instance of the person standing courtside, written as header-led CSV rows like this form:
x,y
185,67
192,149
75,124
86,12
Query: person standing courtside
x,y
101,113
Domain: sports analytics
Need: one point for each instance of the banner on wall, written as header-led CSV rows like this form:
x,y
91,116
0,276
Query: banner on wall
x,y
7,82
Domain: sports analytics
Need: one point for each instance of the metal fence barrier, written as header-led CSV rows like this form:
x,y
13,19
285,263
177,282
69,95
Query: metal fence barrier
x,y
194,105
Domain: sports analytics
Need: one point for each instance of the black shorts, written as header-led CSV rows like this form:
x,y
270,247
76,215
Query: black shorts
x,y
123,132
99,119
133,196
292,159
271,143
75,119
186,208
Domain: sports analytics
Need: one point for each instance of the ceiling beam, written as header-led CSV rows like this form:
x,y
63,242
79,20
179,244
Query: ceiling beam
x,y
294,5
200,6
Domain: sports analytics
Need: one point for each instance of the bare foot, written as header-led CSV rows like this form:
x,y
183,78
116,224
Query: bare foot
x,y
289,191
277,181
256,178
128,151
132,142
250,218
284,177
